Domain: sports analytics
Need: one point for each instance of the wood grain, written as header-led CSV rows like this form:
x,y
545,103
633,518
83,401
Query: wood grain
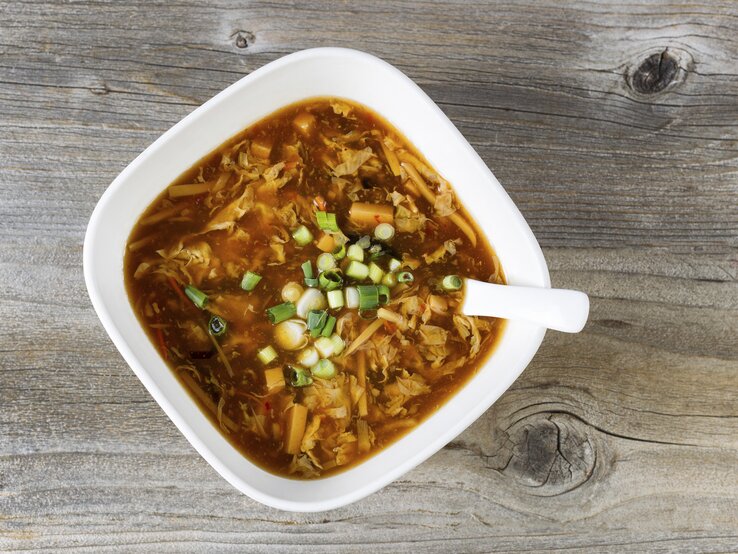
x,y
614,128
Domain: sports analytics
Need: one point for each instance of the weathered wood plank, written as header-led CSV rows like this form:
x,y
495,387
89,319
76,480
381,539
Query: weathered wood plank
x,y
621,439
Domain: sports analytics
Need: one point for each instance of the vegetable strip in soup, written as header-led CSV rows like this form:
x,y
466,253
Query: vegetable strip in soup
x,y
303,282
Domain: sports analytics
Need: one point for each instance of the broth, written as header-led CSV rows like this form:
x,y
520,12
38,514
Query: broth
x,y
299,378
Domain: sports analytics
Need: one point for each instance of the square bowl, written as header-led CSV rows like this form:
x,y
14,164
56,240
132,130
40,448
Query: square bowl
x,y
374,83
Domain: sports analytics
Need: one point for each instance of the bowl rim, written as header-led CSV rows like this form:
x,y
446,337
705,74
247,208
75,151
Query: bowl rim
x,y
94,287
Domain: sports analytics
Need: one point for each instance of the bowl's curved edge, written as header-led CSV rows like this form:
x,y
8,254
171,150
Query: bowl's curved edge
x,y
92,284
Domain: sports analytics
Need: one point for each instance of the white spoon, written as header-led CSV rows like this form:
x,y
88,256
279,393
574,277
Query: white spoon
x,y
558,309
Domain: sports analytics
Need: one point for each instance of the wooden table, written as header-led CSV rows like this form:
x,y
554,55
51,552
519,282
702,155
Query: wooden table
x,y
613,126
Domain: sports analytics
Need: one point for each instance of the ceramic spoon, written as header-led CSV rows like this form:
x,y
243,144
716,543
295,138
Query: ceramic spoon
x,y
558,309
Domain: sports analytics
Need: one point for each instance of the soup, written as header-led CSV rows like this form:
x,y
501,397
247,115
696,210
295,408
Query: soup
x,y
303,282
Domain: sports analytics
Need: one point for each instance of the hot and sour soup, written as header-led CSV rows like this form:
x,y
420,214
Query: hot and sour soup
x,y
303,282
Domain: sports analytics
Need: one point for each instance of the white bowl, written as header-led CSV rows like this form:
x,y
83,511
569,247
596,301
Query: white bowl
x,y
319,72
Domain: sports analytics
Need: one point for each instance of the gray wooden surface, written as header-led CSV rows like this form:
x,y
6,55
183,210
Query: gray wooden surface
x,y
613,125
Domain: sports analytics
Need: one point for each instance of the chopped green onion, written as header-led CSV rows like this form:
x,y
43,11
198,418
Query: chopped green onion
x,y
368,314
292,292
394,264
325,347
316,321
340,252
405,277
451,282
198,297
324,369
307,269
281,312
267,355
375,250
327,221
217,326
355,252
384,232
330,279
357,270
250,280
335,299
352,297
368,297
338,344
329,326
384,294
299,377
325,261
389,279
302,235
308,356
312,283
375,273
364,242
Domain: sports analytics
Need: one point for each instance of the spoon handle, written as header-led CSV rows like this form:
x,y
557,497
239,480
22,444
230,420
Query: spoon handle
x,y
558,309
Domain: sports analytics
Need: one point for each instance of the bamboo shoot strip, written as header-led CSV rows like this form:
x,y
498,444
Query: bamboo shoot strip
x,y
296,421
164,214
426,193
205,399
179,191
361,379
364,336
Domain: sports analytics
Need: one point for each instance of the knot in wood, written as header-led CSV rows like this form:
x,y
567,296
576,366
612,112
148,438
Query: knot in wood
x,y
243,38
550,453
655,73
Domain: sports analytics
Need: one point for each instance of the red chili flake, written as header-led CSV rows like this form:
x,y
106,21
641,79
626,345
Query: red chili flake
x,y
268,406
377,218
320,203
162,344
178,289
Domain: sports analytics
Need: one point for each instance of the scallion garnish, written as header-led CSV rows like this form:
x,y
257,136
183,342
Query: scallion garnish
x,y
281,312
267,354
338,344
364,242
307,269
316,320
389,279
302,235
355,252
330,279
198,297
375,273
352,297
383,293
340,252
357,270
368,297
335,299
325,347
376,251
327,221
325,262
384,232
217,326
324,369
394,264
405,277
312,282
299,377
250,280
452,282
330,324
